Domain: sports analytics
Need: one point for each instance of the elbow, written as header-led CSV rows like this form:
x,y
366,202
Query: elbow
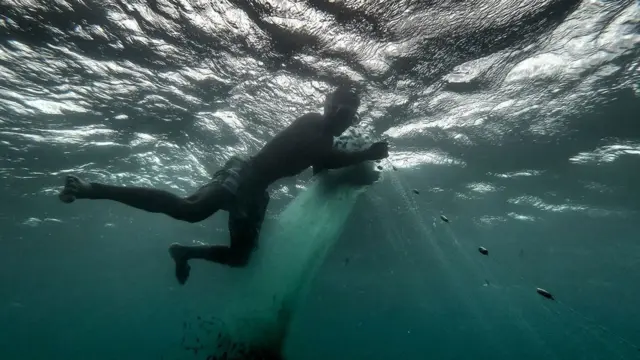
x,y
328,165
317,169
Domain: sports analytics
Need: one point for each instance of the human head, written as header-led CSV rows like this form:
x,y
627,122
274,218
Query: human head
x,y
340,110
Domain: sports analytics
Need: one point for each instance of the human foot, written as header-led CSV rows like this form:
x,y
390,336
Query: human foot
x,y
179,255
74,187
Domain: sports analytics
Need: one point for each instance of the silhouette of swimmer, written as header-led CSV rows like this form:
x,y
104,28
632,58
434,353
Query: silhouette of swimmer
x,y
240,187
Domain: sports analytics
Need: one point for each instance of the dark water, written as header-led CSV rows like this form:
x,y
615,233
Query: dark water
x,y
517,120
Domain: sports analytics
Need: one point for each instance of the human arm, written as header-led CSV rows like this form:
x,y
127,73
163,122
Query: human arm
x,y
335,158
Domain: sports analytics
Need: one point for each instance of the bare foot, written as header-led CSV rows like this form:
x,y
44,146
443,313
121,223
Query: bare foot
x,y
74,187
178,254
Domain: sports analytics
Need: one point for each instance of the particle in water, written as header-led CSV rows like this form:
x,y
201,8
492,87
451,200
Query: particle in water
x,y
415,191
346,261
483,251
444,218
545,293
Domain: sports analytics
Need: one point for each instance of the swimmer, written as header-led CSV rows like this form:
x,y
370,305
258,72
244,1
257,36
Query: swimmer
x,y
240,187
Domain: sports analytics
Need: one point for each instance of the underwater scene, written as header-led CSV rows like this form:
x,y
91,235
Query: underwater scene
x,y
319,179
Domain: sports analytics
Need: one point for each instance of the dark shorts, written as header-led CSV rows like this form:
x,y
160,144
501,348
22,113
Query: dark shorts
x,y
246,203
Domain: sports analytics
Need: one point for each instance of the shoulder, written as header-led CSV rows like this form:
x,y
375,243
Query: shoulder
x,y
313,127
311,119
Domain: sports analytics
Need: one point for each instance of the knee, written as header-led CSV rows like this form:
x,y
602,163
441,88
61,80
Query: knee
x,y
239,258
191,211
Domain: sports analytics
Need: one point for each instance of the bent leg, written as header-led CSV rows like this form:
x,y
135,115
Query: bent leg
x,y
244,232
197,207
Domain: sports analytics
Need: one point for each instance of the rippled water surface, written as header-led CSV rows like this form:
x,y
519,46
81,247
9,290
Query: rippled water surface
x,y
518,120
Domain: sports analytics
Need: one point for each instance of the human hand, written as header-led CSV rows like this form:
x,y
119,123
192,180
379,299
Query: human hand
x,y
378,151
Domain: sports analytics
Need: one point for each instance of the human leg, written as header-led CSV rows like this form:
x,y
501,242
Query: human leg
x,y
244,230
197,207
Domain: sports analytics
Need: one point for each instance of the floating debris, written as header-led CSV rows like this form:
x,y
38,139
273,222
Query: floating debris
x,y
416,192
444,218
545,293
379,167
483,251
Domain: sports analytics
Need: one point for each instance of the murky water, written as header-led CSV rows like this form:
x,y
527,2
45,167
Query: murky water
x,y
516,120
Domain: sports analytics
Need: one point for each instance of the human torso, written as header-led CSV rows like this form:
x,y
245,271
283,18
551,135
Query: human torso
x,y
293,150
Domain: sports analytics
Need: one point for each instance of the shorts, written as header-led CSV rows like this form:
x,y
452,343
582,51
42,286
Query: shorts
x,y
247,203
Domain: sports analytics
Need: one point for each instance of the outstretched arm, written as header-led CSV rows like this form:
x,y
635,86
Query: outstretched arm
x,y
335,159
